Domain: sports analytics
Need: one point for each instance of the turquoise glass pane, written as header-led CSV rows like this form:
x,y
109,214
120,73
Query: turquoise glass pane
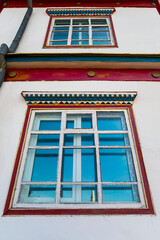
x,y
79,35
60,28
37,194
119,194
80,22
66,192
79,42
79,121
67,165
116,165
101,43
89,170
80,28
99,28
111,121
98,21
100,35
70,124
58,43
44,140
50,125
79,165
113,139
45,165
89,194
62,22
78,194
59,35
47,121
86,122
78,140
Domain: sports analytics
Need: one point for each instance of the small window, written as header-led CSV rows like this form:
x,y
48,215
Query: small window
x,y
80,32
77,160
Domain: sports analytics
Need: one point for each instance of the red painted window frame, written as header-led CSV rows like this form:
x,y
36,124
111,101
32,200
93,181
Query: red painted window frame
x,y
8,210
83,46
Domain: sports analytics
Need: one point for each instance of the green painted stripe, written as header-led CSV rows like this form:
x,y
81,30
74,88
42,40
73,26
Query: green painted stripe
x,y
20,58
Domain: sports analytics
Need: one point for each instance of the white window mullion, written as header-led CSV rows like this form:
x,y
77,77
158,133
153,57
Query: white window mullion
x,y
59,167
77,163
24,158
70,32
90,32
99,187
110,31
140,189
50,32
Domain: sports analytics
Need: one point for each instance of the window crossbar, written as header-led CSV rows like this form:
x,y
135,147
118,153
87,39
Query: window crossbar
x,y
78,131
78,147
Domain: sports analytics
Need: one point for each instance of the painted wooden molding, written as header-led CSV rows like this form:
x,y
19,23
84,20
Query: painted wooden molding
x,y
72,98
80,12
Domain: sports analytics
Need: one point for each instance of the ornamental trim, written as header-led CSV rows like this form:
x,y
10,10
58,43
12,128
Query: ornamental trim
x,y
80,12
72,98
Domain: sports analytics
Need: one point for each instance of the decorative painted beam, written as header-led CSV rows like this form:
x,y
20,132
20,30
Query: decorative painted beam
x,y
72,98
107,61
80,12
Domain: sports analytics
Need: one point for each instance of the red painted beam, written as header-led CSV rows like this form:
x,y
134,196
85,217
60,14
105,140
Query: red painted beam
x,y
83,3
81,75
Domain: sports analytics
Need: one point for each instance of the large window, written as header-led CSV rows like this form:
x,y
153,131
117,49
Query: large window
x,y
80,32
79,159
79,153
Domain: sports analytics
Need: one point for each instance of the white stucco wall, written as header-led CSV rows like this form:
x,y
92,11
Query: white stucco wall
x,y
137,31
147,113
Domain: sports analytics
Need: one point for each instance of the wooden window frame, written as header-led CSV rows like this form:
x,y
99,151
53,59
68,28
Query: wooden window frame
x,y
72,209
110,30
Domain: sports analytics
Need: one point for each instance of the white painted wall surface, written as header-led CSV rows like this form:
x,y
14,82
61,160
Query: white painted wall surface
x,y
147,114
137,31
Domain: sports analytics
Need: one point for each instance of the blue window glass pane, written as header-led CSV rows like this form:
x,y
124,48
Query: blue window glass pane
x,y
78,140
44,140
80,22
58,43
70,124
79,121
89,194
99,28
119,194
66,193
111,121
116,165
50,125
89,170
67,165
113,139
80,28
37,194
101,43
45,165
98,21
80,35
86,122
47,121
78,194
62,22
60,28
79,42
59,35
79,165
100,35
